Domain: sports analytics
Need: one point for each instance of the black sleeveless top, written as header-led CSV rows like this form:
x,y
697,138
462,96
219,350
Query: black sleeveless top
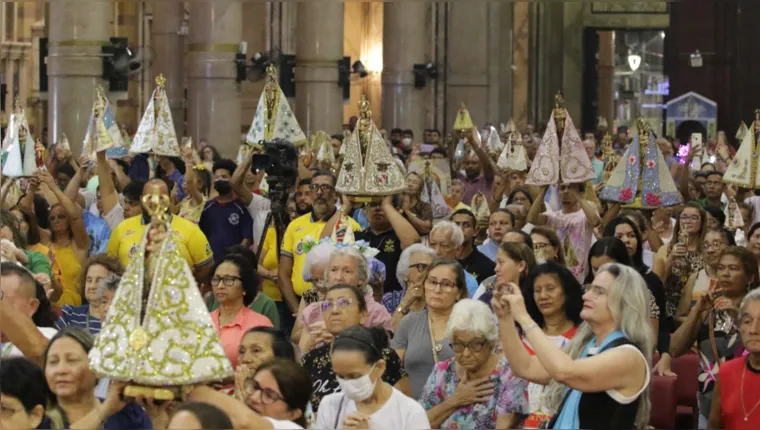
x,y
599,410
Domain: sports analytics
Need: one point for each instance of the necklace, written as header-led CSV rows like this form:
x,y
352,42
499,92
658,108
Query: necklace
x,y
437,347
741,392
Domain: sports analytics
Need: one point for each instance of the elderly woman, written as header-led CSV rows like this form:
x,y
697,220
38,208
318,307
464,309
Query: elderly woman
x,y
729,409
476,388
410,270
314,269
447,238
603,373
712,322
420,339
101,278
348,266
344,307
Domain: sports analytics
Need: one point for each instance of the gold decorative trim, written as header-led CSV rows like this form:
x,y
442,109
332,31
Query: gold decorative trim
x,y
211,47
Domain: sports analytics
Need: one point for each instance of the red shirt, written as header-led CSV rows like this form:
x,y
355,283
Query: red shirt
x,y
731,412
232,333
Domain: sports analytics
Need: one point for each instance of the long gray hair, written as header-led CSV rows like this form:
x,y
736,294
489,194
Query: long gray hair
x,y
629,305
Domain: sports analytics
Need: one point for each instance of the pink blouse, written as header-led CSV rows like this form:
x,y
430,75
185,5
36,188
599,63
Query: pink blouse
x,y
232,333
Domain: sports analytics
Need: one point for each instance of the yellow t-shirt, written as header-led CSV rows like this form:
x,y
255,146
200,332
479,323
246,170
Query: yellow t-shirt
x,y
193,243
67,271
270,263
292,245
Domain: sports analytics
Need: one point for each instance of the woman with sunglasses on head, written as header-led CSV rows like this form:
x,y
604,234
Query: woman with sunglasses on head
x,y
235,286
674,263
713,322
344,307
475,389
366,399
420,338
69,243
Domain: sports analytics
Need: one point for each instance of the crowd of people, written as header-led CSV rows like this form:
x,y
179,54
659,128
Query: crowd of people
x,y
538,305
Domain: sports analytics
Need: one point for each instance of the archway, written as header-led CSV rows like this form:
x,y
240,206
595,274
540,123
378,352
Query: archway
x,y
686,128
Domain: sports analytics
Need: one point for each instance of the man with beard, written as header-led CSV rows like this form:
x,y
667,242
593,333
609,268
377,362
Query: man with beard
x,y
303,197
390,233
193,246
310,225
479,172
225,220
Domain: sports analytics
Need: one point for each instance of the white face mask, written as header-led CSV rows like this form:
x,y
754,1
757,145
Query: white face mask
x,y
358,389
406,141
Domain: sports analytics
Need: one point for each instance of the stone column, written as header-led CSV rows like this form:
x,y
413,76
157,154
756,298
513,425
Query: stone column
x,y
169,58
77,34
319,46
521,63
10,95
404,37
606,73
213,94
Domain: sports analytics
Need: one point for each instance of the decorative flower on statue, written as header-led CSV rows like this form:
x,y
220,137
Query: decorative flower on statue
x,y
653,199
626,194
632,160
651,164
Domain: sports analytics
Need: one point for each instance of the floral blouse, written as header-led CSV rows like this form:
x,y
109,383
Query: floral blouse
x,y
679,274
317,363
510,396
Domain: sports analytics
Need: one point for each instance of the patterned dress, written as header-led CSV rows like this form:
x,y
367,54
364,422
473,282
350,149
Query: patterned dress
x,y
510,396
679,274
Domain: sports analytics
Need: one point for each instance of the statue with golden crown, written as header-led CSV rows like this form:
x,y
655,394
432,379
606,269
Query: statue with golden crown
x,y
743,171
368,171
642,179
158,334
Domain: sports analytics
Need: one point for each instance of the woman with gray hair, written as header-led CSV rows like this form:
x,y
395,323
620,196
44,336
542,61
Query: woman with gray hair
x,y
410,270
475,389
729,409
603,373
346,266
314,269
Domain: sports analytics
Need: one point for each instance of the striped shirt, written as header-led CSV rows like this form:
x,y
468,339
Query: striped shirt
x,y
78,316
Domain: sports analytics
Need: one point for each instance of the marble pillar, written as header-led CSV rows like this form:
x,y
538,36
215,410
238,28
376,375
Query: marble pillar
x,y
169,58
10,84
606,74
319,46
77,34
404,45
213,94
520,63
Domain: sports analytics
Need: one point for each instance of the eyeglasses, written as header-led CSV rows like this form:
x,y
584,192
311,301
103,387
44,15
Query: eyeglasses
x,y
268,396
420,267
326,188
715,244
694,218
446,285
540,246
340,303
226,280
474,346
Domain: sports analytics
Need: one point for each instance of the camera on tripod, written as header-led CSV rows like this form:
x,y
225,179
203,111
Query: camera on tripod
x,y
279,160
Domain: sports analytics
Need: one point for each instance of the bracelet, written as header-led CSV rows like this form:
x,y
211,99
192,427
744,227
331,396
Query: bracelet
x,y
530,327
